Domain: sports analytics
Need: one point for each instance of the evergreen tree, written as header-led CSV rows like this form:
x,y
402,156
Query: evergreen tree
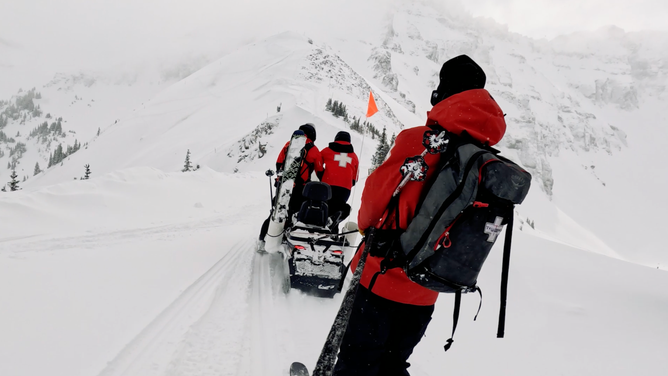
x,y
58,155
381,150
328,106
355,125
335,108
13,184
187,166
37,169
87,172
98,131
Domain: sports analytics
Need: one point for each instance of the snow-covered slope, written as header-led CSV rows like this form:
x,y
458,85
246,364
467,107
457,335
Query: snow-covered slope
x,y
141,273
144,270
270,87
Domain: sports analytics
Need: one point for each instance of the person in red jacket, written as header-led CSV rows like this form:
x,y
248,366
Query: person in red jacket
x,y
389,320
312,162
341,173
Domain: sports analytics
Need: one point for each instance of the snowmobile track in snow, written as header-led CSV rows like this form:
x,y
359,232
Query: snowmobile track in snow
x,y
264,351
181,339
230,321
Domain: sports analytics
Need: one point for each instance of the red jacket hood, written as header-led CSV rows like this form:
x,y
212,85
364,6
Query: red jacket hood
x,y
473,111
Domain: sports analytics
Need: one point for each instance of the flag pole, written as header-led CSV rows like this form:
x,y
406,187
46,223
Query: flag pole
x,y
372,108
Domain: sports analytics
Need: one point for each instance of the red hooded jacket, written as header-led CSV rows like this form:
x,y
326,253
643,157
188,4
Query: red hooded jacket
x,y
341,164
473,111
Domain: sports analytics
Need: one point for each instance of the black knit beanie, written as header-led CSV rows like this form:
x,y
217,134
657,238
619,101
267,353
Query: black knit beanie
x,y
342,136
458,74
309,131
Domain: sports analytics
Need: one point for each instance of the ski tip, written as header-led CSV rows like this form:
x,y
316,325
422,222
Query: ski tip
x,y
298,369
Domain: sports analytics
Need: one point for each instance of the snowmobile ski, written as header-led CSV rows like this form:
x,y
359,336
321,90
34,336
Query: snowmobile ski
x,y
279,215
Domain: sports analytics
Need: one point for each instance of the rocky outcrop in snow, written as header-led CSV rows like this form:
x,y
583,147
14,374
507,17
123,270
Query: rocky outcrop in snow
x,y
251,147
325,67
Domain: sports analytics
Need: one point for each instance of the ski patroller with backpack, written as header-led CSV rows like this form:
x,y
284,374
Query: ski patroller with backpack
x,y
279,215
462,212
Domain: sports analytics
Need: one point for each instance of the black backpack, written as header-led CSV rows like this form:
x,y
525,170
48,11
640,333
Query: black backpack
x,y
461,213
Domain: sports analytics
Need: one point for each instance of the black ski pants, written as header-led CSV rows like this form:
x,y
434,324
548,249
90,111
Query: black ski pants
x,y
337,203
380,337
339,198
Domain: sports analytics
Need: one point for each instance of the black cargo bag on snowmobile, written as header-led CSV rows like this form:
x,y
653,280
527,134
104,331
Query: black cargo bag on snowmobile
x,y
461,215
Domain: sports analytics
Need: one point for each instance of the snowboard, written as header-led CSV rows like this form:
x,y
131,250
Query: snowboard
x,y
298,369
279,215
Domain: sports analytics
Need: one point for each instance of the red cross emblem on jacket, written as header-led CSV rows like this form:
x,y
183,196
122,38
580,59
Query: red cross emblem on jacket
x,y
341,164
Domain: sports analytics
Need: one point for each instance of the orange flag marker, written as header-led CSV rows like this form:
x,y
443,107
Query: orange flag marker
x,y
372,106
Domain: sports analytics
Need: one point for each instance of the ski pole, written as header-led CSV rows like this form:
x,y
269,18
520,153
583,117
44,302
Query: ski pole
x,y
327,359
269,174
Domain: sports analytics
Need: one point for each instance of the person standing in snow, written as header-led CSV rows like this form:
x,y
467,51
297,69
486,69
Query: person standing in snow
x,y
390,317
311,162
341,173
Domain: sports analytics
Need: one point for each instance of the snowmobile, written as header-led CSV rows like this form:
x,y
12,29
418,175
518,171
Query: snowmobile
x,y
311,246
315,249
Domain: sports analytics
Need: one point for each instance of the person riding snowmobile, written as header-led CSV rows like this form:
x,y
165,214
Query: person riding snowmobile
x,y
341,173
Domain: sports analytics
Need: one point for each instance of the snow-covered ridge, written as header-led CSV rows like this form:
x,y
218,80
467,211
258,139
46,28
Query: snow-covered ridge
x,y
219,106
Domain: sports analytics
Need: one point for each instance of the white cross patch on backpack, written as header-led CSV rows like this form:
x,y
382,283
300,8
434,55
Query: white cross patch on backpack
x,y
493,229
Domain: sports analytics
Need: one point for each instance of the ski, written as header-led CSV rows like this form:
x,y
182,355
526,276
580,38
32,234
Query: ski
x,y
279,215
298,369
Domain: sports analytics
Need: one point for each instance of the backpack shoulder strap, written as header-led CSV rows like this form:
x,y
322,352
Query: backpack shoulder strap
x,y
305,166
504,274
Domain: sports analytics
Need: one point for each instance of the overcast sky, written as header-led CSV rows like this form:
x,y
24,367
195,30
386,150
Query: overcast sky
x,y
61,35
549,18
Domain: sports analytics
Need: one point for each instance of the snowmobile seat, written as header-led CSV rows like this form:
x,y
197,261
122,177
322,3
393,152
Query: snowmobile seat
x,y
314,209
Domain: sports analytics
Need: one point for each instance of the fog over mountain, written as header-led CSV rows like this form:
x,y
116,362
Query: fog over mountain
x,y
581,94
585,115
